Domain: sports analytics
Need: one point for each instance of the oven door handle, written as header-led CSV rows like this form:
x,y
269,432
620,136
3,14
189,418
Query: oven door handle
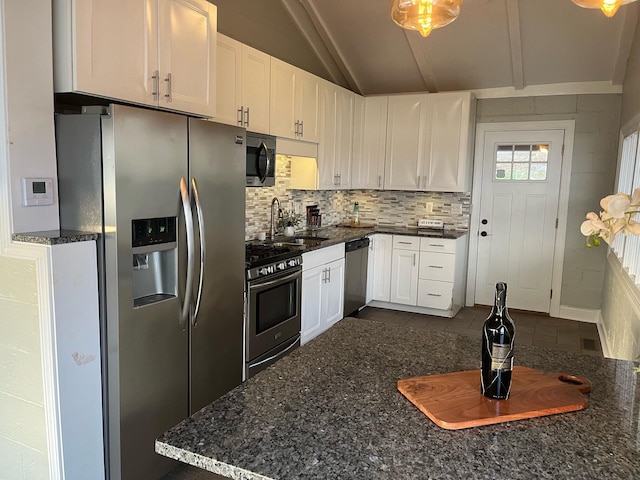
x,y
277,280
279,354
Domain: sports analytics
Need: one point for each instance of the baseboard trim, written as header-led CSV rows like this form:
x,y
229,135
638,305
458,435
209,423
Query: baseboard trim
x,y
579,314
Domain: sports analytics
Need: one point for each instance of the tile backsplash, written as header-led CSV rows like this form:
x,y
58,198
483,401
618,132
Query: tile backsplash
x,y
380,207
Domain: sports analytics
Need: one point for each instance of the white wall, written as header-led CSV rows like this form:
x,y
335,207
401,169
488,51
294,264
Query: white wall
x,y
29,105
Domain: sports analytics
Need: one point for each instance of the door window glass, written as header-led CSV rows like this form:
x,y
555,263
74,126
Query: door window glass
x,y
521,162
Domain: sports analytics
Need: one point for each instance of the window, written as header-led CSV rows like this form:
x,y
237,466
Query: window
x,y
521,163
627,247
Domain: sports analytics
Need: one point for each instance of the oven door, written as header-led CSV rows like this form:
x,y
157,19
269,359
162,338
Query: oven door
x,y
273,312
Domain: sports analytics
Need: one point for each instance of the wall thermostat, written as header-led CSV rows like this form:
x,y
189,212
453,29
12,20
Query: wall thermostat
x,y
37,191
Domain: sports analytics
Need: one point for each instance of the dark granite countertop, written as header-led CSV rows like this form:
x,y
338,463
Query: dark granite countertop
x,y
331,410
54,237
334,234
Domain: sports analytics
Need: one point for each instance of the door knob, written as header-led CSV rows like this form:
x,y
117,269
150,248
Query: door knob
x,y
484,221
484,234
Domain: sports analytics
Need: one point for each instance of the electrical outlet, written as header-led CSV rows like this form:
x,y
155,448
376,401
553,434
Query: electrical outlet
x,y
429,207
456,209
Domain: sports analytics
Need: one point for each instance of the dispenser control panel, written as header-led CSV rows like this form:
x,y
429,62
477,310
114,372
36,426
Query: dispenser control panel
x,y
152,231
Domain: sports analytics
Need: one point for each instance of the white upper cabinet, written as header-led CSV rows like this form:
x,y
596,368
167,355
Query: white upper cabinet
x,y
450,132
336,137
369,140
429,142
406,141
153,52
243,85
294,102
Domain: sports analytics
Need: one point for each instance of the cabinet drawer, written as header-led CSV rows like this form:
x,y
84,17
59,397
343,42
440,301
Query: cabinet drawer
x,y
437,266
434,294
402,242
321,256
446,245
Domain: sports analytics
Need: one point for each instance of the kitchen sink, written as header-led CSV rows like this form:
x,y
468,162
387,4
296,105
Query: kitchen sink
x,y
309,238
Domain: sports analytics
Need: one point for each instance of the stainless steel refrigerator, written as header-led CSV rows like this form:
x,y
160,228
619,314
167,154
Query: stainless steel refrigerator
x,y
166,194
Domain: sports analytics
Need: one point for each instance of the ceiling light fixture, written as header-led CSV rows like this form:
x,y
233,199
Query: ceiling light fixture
x,y
608,7
424,15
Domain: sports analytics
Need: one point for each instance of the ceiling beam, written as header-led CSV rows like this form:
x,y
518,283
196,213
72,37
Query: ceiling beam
x,y
515,42
630,13
422,61
314,30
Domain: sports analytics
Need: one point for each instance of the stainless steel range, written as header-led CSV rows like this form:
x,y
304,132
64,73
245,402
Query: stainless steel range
x,y
272,316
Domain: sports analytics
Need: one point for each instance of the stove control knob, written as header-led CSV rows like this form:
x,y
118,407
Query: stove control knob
x,y
281,266
292,263
263,271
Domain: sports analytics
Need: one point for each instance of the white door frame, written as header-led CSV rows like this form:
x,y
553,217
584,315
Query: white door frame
x,y
563,201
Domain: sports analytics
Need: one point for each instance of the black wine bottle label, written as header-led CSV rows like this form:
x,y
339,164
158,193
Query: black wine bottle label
x,y
501,357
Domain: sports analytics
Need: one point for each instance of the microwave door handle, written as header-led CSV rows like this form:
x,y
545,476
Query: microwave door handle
x,y
188,221
196,196
263,146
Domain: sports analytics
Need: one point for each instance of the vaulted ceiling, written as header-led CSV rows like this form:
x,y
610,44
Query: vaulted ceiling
x,y
505,46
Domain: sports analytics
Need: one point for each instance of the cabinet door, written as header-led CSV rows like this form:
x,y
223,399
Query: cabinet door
x,y
404,276
333,293
187,55
344,136
256,88
228,81
327,175
370,124
307,102
381,272
448,130
312,303
405,146
111,63
282,100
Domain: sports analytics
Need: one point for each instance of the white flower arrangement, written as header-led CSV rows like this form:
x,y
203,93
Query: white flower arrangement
x,y
617,216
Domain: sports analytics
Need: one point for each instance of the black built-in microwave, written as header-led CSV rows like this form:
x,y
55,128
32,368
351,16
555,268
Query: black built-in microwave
x,y
261,160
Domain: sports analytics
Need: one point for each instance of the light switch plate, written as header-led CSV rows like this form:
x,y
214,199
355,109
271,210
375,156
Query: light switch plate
x,y
429,207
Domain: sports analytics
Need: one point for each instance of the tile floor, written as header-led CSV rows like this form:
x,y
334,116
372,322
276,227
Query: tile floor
x,y
532,329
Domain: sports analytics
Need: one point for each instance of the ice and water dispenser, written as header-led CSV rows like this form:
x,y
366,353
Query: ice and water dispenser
x,y
155,260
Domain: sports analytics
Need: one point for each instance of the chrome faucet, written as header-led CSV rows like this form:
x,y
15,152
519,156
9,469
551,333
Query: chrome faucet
x,y
273,229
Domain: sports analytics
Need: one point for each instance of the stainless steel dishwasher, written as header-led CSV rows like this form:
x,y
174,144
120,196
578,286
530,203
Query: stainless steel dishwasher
x,y
355,277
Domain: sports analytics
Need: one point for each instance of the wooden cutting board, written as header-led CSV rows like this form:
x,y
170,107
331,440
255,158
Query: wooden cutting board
x,y
453,400
360,225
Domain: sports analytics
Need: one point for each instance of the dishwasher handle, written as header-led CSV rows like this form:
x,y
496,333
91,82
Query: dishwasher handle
x,y
356,244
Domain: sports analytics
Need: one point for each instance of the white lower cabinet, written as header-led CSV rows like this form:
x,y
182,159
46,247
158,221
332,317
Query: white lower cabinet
x,y
380,273
322,290
427,275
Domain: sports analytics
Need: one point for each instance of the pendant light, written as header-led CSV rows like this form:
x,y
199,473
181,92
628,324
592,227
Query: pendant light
x,y
608,7
424,15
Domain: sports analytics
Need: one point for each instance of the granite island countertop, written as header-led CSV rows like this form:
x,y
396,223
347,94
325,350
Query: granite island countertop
x,y
331,410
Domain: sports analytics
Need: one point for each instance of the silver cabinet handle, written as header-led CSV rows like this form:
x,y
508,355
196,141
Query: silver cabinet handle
x,y
167,83
434,294
436,266
419,178
201,230
328,275
436,245
379,181
156,85
246,122
414,259
239,118
188,222
302,128
297,128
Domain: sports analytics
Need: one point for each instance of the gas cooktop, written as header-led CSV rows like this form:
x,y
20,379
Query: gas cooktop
x,y
257,254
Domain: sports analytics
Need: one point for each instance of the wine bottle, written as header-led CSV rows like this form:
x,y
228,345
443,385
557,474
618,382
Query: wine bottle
x,y
498,333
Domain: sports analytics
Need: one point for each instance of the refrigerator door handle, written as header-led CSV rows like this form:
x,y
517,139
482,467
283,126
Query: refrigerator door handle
x,y
196,197
188,222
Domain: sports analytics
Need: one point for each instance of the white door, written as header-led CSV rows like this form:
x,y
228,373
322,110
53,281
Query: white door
x,y
381,272
312,283
333,293
404,276
518,211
